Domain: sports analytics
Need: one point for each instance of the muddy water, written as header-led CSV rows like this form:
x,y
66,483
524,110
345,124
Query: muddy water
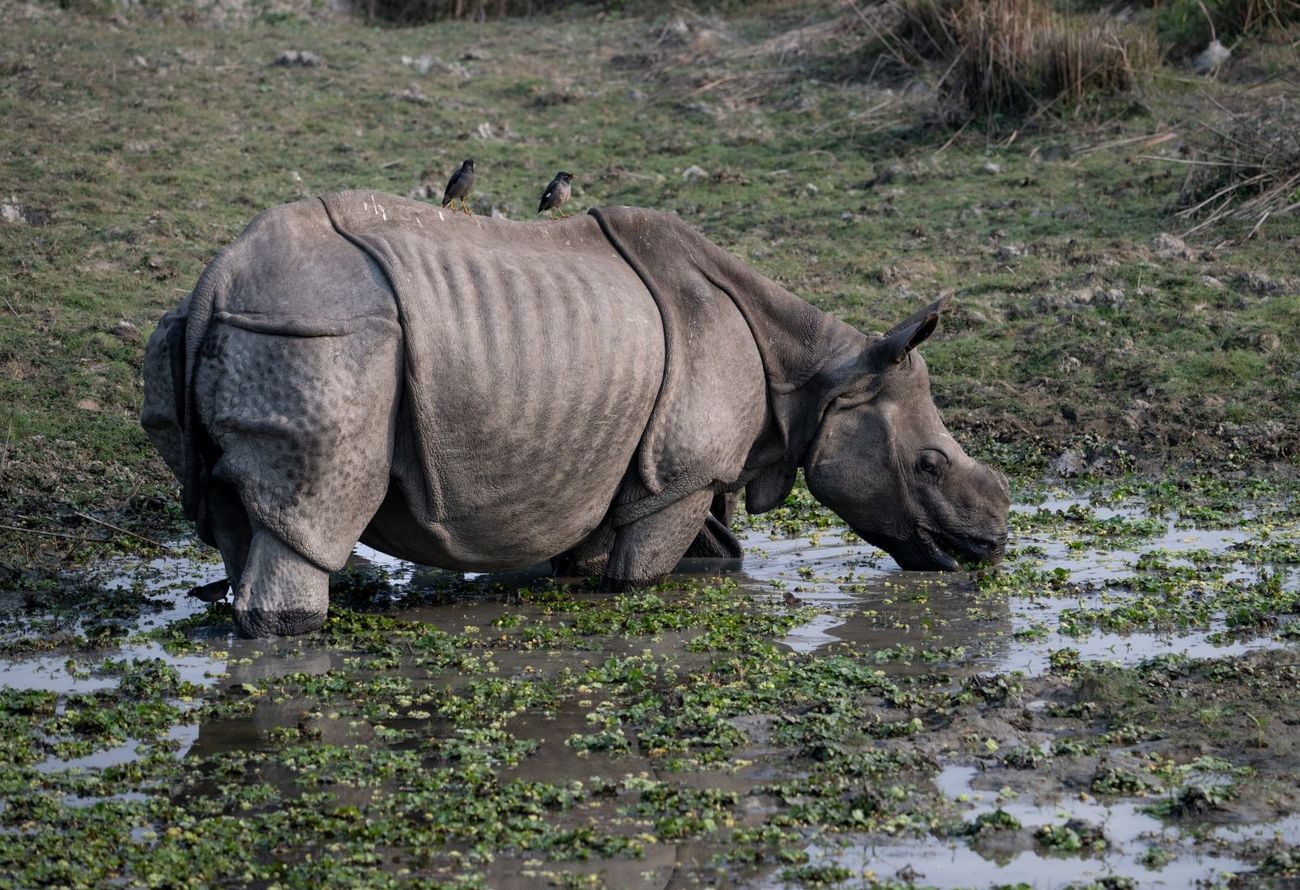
x,y
855,601
1127,830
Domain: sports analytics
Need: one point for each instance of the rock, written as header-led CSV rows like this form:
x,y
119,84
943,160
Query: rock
x,y
1008,252
140,61
992,168
1068,464
635,95
476,55
12,212
917,89
88,405
694,173
1261,283
1267,342
1212,58
425,63
1111,296
811,189
1170,247
126,332
701,108
677,28
1072,212
1211,281
414,95
298,58
483,131
890,173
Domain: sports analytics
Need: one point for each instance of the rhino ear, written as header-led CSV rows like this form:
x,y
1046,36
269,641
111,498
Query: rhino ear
x,y
905,336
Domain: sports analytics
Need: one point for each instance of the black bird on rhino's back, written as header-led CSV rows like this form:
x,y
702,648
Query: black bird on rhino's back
x,y
557,192
459,185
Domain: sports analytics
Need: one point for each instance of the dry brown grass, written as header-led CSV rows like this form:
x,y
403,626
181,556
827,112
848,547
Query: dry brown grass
x,y
1247,170
1020,56
409,12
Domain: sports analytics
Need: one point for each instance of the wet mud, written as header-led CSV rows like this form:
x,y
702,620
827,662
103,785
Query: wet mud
x,y
1116,705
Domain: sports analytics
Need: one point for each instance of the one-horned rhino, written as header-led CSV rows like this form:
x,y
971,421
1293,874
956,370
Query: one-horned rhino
x,y
481,394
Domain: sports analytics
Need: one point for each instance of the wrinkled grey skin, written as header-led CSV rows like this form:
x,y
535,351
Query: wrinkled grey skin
x,y
302,411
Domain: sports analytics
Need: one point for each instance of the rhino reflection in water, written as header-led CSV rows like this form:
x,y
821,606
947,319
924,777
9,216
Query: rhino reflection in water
x,y
480,394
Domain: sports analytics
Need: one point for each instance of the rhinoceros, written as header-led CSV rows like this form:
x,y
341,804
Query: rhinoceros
x,y
481,394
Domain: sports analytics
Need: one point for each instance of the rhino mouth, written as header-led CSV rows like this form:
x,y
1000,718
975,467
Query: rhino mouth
x,y
930,550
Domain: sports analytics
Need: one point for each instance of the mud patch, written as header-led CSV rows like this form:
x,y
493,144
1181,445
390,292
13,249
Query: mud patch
x,y
1115,703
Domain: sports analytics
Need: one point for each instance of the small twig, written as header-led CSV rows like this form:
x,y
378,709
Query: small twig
x,y
775,72
1147,142
951,139
1209,20
4,452
11,307
125,531
36,531
1255,228
1191,162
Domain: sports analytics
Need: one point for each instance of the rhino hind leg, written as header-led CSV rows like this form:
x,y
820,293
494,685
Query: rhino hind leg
x,y
648,549
279,593
715,540
589,557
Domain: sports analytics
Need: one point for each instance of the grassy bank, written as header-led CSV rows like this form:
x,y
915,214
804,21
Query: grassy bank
x,y
134,152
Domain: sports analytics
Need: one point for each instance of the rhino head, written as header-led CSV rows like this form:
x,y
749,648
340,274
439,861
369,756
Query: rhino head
x,y
883,460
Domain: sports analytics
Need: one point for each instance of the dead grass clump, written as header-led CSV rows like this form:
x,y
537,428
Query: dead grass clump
x,y
417,12
1020,56
1246,171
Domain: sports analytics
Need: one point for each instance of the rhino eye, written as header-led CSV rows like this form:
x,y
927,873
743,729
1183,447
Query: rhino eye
x,y
932,461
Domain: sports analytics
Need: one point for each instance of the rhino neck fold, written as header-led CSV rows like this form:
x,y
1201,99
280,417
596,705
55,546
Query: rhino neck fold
x,y
800,346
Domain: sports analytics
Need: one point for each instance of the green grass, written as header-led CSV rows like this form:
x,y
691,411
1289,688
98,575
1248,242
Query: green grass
x,y
145,170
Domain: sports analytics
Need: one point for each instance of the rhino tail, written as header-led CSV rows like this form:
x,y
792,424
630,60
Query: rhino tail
x,y
169,414
195,442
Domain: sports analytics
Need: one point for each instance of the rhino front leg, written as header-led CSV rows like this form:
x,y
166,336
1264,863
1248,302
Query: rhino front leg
x,y
279,593
649,548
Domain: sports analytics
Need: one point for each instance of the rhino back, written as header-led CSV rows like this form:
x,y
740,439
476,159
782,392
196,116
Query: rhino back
x,y
534,357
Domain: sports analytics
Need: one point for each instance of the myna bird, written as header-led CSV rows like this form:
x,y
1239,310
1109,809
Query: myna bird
x,y
557,192
459,185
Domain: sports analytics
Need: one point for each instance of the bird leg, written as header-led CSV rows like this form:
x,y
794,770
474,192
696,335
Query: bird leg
x,y
466,206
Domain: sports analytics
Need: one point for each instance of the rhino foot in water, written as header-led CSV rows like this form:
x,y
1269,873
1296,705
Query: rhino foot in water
x,y
481,395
